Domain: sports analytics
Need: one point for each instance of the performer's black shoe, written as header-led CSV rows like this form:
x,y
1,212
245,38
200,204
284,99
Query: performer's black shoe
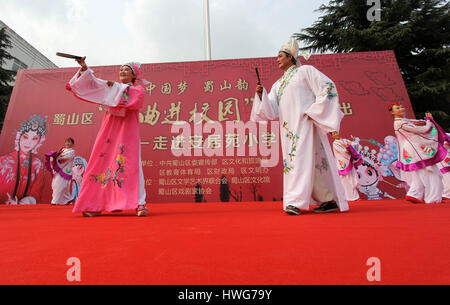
x,y
91,214
327,207
292,210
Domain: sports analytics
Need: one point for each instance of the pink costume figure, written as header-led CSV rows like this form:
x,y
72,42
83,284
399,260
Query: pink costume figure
x,y
113,180
21,171
60,164
420,149
444,167
347,160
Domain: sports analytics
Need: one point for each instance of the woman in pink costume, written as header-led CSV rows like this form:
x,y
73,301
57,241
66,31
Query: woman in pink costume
x,y
444,166
347,161
420,149
113,180
59,164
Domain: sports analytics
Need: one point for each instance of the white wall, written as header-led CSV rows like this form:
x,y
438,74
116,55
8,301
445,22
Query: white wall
x,y
25,53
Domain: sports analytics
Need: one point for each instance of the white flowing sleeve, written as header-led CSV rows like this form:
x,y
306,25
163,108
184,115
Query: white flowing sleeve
x,y
325,111
265,109
67,154
417,129
339,147
86,86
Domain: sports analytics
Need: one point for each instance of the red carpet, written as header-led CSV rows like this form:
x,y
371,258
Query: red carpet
x,y
227,243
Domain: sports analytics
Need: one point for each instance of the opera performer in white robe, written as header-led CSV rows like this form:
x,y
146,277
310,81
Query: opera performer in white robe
x,y
60,165
420,149
305,102
347,161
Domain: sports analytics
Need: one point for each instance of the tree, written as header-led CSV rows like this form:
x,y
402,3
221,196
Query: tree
x,y
6,76
418,31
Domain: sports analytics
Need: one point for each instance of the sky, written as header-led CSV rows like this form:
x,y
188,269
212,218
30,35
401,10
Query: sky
x,y
113,32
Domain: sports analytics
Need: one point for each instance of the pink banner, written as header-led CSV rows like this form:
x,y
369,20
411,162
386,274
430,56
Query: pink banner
x,y
187,121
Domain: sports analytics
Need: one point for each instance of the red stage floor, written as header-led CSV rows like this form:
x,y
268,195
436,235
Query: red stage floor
x,y
227,243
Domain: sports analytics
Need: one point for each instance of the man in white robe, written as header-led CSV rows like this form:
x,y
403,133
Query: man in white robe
x,y
306,103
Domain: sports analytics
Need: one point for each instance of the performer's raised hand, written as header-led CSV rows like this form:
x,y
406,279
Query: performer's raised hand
x,y
259,90
428,115
82,63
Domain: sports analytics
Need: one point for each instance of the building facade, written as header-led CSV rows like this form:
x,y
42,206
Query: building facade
x,y
25,56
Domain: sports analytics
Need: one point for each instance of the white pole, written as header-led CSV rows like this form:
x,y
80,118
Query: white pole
x,y
208,38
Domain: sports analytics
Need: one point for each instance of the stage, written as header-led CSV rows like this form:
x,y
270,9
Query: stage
x,y
252,243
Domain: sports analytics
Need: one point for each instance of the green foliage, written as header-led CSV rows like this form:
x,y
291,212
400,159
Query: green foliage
x,y
418,31
6,76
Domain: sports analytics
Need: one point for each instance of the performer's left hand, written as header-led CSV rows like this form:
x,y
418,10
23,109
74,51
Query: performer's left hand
x,y
82,63
428,115
334,134
109,83
259,90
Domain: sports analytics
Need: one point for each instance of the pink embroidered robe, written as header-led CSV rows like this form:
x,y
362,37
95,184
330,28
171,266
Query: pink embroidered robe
x,y
11,171
112,177
419,145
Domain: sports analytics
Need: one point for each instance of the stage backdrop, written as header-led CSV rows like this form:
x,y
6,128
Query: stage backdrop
x,y
42,114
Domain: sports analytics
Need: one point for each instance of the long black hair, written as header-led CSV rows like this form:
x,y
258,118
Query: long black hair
x,y
38,124
293,60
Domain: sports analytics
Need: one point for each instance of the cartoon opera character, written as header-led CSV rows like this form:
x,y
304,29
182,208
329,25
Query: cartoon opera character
x,y
369,174
388,157
79,166
21,171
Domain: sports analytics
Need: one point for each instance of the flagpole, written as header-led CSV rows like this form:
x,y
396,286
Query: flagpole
x,y
208,38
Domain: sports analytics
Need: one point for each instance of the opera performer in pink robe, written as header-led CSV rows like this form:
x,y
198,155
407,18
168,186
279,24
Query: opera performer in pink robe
x,y
113,180
347,161
420,149
305,102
